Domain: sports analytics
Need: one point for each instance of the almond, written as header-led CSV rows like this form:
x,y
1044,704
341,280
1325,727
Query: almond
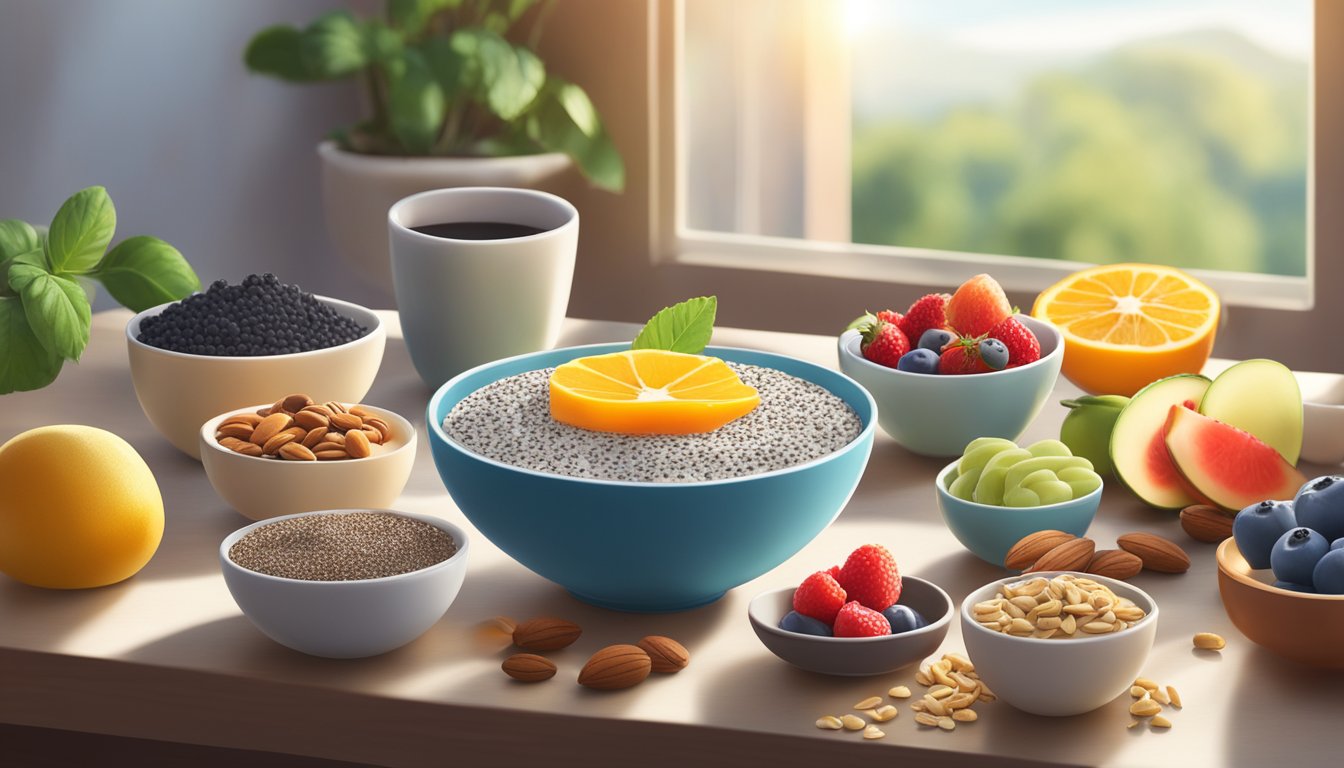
x,y
546,634
381,426
296,452
1115,564
313,437
666,654
296,403
250,419
615,667
1205,523
271,426
1158,554
1072,555
346,421
235,429
310,419
357,444
273,445
528,667
1030,548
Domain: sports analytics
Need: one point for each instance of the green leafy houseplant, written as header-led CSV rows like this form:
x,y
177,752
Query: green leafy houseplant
x,y
44,272
445,78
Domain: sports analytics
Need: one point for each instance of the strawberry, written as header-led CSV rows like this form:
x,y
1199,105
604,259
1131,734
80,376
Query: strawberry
x,y
869,576
883,342
1023,347
819,596
926,313
854,620
962,356
977,306
890,316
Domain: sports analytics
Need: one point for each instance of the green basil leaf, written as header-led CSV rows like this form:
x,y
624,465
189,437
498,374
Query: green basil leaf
x,y
57,309
143,272
382,43
684,327
552,125
278,51
416,106
25,364
333,46
81,231
412,16
579,108
17,237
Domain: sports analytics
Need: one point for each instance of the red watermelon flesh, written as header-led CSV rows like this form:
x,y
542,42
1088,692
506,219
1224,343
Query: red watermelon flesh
x,y
1225,466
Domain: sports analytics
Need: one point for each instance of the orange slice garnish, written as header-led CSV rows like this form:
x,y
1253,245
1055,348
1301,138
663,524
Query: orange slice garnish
x,y
649,391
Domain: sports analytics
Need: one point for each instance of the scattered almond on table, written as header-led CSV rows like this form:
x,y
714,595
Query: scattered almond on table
x,y
1052,550
1150,701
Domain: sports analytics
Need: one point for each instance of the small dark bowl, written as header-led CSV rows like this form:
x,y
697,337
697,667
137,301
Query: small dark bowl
x,y
854,656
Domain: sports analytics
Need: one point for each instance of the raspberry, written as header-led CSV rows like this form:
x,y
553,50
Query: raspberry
x,y
819,597
869,576
854,620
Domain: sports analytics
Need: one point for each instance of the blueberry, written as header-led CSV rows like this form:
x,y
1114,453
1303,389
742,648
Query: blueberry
x,y
1338,543
1328,575
794,621
1291,587
1320,506
1258,526
903,618
994,353
1295,555
935,339
918,361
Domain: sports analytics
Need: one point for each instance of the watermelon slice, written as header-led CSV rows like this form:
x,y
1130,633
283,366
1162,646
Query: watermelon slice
x,y
1225,466
1138,451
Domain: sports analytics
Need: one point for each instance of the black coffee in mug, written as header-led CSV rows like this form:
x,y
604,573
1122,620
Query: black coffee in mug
x,y
478,230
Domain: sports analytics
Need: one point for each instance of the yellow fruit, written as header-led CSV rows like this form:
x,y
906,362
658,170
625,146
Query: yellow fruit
x,y
649,391
79,508
1128,325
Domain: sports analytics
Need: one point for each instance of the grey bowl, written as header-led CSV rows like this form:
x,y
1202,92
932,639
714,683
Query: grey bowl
x,y
854,656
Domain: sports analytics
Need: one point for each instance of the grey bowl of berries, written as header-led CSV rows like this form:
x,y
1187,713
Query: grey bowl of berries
x,y
953,367
859,619
233,345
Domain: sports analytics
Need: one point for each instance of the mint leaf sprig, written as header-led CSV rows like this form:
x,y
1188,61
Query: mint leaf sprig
x,y
45,311
684,327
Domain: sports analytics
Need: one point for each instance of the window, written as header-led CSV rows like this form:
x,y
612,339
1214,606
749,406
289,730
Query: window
x,y
914,141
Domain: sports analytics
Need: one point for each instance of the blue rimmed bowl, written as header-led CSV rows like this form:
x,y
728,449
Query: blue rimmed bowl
x,y
649,547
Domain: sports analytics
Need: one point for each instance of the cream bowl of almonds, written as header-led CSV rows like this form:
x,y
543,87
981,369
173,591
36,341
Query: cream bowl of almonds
x,y
258,472
1058,643
345,583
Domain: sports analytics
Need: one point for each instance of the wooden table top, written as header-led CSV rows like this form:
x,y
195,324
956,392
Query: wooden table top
x,y
167,655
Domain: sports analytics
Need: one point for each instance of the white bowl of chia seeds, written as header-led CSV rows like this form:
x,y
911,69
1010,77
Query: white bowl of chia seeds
x,y
345,583
651,522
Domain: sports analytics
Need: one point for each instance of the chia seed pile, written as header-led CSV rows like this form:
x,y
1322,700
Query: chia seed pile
x,y
349,546
260,316
797,421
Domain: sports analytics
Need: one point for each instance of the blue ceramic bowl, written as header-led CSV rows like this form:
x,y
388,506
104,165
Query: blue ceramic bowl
x,y
648,547
937,415
989,531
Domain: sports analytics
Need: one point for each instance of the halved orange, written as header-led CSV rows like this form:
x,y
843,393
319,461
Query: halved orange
x,y
649,391
1127,325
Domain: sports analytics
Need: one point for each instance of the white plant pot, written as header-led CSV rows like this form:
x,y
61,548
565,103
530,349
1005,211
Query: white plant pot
x,y
358,190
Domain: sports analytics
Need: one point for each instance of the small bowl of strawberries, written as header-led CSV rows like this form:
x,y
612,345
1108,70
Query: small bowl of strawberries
x,y
954,367
861,618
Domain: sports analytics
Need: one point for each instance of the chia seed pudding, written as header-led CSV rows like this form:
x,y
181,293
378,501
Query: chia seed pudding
x,y
797,421
345,546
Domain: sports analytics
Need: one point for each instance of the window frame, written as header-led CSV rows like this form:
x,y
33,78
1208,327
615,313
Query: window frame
x,y
673,242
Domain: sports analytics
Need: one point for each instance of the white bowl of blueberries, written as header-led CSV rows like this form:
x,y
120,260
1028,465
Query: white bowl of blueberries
x,y
821,626
233,345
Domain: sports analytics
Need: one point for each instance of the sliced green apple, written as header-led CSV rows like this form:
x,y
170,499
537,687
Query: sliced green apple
x,y
1260,397
1226,466
1138,451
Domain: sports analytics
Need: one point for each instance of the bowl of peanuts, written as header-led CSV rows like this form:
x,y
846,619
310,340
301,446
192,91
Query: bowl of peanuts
x,y
1058,643
297,455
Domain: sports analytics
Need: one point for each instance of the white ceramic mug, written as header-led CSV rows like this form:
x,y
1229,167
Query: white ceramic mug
x,y
468,302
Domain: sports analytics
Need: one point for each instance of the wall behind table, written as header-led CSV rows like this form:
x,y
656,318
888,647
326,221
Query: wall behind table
x,y
150,99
